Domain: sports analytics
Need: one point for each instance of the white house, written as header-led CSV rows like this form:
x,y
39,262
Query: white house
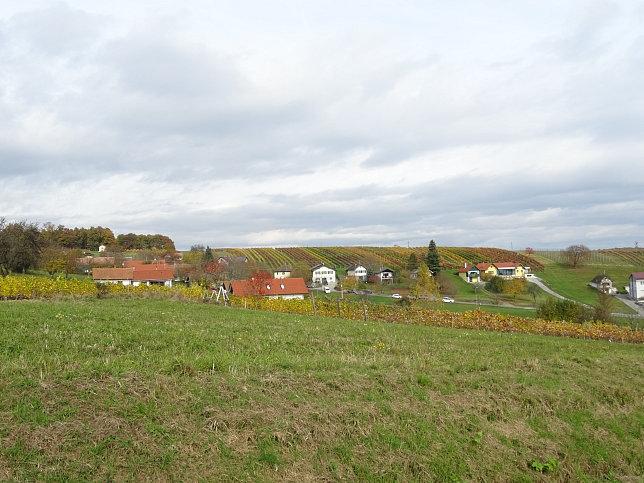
x,y
357,271
385,275
603,283
636,285
323,275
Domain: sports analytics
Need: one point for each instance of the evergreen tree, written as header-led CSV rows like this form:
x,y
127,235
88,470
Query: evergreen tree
x,y
412,262
208,257
433,260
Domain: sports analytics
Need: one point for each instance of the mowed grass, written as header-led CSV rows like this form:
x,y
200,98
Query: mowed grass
x,y
120,389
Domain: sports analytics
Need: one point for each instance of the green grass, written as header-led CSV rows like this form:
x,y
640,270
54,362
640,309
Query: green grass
x,y
573,283
119,389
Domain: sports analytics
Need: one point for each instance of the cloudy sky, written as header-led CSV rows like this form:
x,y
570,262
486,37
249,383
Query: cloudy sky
x,y
323,122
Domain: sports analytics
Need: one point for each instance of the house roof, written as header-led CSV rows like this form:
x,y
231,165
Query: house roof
x,y
638,275
153,275
483,266
353,268
283,268
600,278
507,264
147,264
320,265
228,260
385,270
112,273
469,268
270,286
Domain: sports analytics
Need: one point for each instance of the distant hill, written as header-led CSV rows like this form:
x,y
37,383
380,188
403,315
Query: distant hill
x,y
391,257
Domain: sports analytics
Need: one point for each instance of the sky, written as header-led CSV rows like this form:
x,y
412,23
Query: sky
x,y
322,122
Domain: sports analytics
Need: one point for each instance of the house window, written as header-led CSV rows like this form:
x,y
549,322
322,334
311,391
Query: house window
x,y
268,287
282,286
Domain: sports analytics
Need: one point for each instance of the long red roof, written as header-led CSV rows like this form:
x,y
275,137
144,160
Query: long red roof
x,y
270,286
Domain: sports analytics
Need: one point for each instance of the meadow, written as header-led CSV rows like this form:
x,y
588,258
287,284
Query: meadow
x,y
129,388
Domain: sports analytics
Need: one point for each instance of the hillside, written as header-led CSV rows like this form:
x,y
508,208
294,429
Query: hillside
x,y
391,257
131,389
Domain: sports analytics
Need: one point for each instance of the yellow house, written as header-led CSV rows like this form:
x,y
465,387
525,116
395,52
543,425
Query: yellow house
x,y
489,268
509,270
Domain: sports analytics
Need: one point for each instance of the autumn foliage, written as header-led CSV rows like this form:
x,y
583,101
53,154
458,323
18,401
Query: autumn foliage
x,y
13,287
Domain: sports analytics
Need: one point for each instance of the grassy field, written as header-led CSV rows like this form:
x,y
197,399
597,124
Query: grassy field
x,y
120,389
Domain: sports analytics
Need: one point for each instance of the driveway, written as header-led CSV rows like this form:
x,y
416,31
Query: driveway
x,y
624,298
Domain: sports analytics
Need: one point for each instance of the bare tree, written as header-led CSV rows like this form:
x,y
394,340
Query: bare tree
x,y
576,254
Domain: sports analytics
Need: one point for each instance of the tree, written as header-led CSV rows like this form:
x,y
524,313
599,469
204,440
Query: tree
x,y
514,287
350,283
433,259
412,262
533,291
19,246
425,285
446,284
604,308
208,257
301,270
576,254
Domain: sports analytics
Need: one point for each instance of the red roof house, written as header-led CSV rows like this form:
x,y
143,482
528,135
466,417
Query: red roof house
x,y
286,288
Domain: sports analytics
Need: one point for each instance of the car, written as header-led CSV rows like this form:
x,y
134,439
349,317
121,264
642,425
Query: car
x,y
396,296
448,300
327,289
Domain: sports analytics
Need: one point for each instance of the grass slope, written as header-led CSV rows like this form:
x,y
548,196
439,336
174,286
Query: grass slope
x,y
153,389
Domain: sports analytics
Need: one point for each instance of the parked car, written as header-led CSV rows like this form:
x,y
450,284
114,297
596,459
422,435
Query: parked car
x,y
396,296
327,289
448,300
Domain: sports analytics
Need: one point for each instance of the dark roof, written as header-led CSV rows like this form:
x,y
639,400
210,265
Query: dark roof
x,y
283,268
320,265
600,278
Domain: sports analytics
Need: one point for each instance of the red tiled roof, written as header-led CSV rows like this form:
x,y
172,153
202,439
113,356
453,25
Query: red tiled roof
x,y
276,287
506,264
483,266
152,274
637,275
146,264
468,268
112,273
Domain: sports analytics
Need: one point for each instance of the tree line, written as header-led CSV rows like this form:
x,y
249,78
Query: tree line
x,y
25,245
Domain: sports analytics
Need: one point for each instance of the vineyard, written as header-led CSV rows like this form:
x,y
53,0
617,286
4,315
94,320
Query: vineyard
x,y
612,256
40,288
395,257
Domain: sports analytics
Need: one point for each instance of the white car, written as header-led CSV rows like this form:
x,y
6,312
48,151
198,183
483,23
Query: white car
x,y
327,289
448,300
396,296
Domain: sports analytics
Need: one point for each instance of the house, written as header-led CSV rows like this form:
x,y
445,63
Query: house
x,y
123,276
636,286
358,272
470,273
159,276
321,274
282,272
228,260
603,283
487,268
385,275
509,270
480,271
272,288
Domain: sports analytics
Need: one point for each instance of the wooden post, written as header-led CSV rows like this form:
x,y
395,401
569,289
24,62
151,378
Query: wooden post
x,y
339,315
364,309
313,302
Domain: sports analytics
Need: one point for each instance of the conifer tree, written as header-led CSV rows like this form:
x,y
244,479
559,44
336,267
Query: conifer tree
x,y
433,258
